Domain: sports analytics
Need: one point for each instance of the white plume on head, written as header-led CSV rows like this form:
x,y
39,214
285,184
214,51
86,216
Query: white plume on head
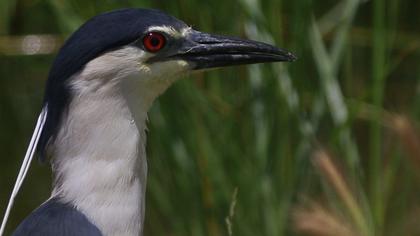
x,y
30,152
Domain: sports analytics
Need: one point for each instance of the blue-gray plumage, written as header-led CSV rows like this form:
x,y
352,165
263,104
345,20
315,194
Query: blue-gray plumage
x,y
54,218
99,90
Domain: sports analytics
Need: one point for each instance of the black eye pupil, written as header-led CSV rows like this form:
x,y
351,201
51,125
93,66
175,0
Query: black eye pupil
x,y
154,41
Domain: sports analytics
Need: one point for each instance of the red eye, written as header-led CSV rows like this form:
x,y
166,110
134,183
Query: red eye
x,y
153,41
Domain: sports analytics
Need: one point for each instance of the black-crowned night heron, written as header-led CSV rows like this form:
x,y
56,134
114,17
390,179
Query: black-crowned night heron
x,y
93,122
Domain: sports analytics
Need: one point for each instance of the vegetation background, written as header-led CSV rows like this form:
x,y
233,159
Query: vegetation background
x,y
327,145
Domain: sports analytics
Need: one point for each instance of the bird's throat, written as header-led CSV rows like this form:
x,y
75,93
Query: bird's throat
x,y
99,159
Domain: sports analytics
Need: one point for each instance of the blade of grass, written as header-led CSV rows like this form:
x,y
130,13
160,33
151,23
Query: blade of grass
x,y
378,86
330,173
333,94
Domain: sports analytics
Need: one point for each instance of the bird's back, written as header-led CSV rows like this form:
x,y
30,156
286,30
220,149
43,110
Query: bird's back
x,y
56,218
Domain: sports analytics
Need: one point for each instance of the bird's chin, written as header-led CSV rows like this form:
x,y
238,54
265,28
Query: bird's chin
x,y
164,70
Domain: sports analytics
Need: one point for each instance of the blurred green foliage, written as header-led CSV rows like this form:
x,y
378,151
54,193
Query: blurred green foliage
x,y
354,91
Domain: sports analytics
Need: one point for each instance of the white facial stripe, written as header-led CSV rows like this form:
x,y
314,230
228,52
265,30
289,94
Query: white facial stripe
x,y
166,29
186,31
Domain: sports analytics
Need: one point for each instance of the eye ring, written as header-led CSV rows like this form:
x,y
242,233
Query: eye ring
x,y
154,41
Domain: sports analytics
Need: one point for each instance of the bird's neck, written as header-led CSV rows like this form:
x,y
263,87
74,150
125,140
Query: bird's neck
x,y
99,159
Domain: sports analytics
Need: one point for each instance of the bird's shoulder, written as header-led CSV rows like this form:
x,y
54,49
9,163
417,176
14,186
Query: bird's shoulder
x,y
56,218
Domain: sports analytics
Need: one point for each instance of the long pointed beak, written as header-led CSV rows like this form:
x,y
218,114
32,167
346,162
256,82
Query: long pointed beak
x,y
208,51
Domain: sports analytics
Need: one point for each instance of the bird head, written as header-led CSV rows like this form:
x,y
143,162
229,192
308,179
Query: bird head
x,y
143,46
